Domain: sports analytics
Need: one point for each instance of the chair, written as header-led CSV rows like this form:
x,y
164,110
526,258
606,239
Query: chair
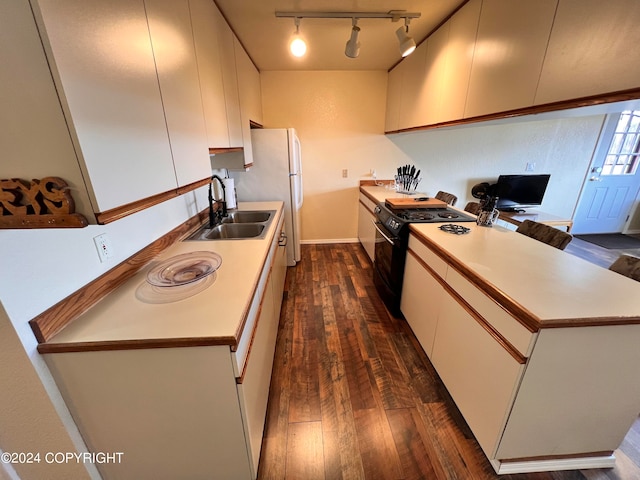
x,y
628,266
449,198
545,234
472,207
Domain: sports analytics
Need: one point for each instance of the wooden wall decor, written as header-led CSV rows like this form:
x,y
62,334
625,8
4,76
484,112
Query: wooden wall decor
x,y
44,203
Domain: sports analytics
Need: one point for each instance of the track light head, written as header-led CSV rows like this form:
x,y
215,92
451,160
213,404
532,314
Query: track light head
x,y
352,49
407,44
297,45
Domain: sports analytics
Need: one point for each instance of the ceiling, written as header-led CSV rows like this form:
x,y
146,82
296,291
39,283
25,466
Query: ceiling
x,y
266,37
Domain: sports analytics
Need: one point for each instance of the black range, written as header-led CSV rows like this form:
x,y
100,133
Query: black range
x,y
392,238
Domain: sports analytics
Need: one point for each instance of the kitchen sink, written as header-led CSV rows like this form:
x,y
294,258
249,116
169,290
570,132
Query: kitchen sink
x,y
235,230
238,225
248,217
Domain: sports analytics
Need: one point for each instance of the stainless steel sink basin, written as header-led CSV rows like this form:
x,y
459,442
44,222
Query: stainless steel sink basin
x,y
238,225
235,230
244,216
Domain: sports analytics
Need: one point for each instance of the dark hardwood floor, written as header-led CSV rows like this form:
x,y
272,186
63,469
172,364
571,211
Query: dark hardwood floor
x,y
353,395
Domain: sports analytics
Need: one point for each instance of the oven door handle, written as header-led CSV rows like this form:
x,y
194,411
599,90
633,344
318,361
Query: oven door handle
x,y
375,224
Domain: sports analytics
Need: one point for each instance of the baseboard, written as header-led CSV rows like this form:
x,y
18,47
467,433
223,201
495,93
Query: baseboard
x,y
319,241
606,461
632,232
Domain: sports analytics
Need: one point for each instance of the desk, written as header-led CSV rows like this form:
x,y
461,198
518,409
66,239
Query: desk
x,y
516,218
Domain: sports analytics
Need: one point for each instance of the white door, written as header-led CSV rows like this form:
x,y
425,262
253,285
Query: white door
x,y
612,185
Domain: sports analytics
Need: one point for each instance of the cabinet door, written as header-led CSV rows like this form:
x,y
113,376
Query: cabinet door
x,y
174,52
463,27
592,50
366,230
510,47
226,40
249,95
204,17
422,296
35,137
480,375
433,83
394,93
412,81
102,61
254,389
248,85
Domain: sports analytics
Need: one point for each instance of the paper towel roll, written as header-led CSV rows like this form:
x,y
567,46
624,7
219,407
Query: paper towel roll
x,y
230,192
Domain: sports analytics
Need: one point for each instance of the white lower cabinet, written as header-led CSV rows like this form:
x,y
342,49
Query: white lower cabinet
x,y
422,296
179,412
528,395
478,372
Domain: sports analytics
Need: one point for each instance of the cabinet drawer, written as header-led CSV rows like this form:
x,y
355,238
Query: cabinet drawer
x,y
508,326
367,202
429,257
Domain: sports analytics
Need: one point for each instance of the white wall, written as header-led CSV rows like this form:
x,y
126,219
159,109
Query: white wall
x,y
340,119
454,160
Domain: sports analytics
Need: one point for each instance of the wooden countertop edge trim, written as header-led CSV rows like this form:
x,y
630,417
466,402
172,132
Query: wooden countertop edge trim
x,y
530,321
134,344
495,334
46,325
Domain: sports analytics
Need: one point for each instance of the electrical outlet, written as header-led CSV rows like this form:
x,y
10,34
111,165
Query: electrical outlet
x,y
345,173
531,166
104,247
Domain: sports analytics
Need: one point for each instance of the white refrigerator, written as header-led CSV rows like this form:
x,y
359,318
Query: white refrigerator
x,y
276,175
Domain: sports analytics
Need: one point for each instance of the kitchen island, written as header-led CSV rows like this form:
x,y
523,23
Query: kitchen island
x,y
538,348
179,388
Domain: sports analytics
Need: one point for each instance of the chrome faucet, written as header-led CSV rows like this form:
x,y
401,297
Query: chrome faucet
x,y
212,215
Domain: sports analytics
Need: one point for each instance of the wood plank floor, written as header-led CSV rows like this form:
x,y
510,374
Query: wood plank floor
x,y
353,396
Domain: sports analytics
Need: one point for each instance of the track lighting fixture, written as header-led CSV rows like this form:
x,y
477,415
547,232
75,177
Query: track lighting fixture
x,y
297,46
407,44
352,49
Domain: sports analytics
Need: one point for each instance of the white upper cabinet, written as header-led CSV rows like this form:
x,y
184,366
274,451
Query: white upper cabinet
x,y
205,18
593,50
248,85
463,28
226,40
433,84
102,60
509,51
175,58
394,93
34,136
411,89
250,97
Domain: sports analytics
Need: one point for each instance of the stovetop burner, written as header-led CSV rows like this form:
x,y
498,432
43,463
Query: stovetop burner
x,y
397,220
416,215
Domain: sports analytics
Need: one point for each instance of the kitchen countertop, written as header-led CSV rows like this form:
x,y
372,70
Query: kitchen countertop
x,y
214,316
380,194
555,287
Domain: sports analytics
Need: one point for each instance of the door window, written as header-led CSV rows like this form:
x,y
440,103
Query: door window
x,y
622,157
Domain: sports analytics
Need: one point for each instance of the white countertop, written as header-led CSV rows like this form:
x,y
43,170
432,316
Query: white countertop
x,y
215,313
555,286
